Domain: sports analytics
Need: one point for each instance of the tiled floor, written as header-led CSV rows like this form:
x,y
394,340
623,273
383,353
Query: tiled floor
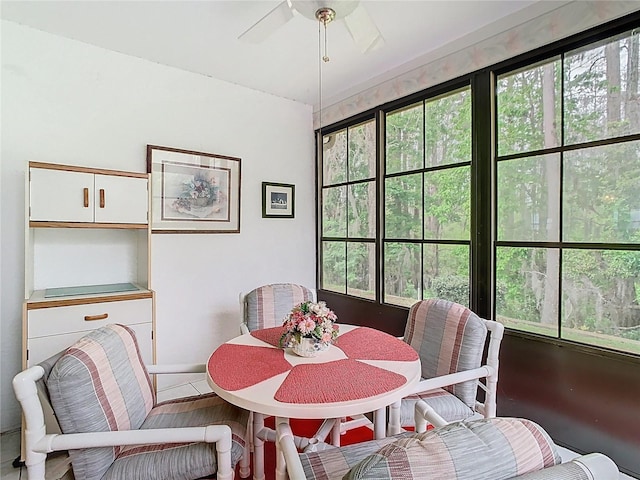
x,y
57,465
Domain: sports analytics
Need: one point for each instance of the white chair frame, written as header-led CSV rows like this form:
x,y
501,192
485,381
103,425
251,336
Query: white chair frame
x,y
288,460
288,464
38,443
488,372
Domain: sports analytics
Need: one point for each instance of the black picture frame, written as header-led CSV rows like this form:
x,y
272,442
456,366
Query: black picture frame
x,y
278,200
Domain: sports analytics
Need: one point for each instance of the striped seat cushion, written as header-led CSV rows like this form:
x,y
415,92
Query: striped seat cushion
x,y
449,338
100,384
182,461
448,406
495,448
266,306
336,462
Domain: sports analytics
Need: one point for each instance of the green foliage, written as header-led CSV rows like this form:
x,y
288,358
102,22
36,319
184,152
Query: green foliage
x,y
452,288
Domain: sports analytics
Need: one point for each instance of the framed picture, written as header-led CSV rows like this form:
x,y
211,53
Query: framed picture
x,y
193,192
278,200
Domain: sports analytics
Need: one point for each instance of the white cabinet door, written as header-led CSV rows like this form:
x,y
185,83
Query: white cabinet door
x,y
61,196
120,199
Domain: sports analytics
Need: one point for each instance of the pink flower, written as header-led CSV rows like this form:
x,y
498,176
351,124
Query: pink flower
x,y
309,319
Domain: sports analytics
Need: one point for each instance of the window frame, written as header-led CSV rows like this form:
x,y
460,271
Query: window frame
x,y
483,242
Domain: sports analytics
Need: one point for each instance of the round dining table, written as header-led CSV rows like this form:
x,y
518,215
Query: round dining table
x,y
364,370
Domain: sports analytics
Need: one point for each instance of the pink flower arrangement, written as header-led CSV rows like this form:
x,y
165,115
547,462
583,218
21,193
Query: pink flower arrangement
x,y
310,320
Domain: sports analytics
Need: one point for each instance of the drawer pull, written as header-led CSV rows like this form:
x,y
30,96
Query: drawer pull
x,y
86,197
102,198
91,318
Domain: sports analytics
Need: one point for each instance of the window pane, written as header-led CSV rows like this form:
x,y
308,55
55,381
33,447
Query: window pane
x,y
448,129
447,197
333,266
334,212
362,210
601,90
446,272
334,158
601,198
529,198
403,207
361,270
601,298
527,289
402,283
362,151
529,109
404,140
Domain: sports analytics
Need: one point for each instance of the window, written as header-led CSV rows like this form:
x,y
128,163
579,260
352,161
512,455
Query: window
x,y
513,191
349,211
427,200
567,179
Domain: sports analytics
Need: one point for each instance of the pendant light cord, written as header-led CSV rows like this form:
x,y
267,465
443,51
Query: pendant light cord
x,y
320,58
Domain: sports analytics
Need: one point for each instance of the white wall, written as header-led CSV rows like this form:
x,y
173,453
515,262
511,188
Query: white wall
x,y
68,102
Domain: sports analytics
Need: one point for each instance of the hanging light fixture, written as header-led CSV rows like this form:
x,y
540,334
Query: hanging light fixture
x,y
324,15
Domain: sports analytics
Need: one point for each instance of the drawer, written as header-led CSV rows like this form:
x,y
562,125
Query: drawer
x,y
41,348
83,318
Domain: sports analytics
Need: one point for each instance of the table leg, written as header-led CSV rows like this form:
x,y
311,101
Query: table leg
x,y
394,418
379,423
281,467
258,447
335,432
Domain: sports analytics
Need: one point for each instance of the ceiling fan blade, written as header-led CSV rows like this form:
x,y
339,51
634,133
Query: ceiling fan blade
x,y
363,31
268,24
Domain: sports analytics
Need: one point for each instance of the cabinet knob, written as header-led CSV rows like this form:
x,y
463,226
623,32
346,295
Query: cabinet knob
x,y
91,318
86,197
102,198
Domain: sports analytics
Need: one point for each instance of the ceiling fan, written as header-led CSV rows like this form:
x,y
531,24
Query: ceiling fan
x,y
363,30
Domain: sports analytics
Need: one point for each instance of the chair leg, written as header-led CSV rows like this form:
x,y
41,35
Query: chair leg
x,y
35,463
245,462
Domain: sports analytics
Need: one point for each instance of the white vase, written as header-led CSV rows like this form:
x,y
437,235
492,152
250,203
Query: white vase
x,y
308,347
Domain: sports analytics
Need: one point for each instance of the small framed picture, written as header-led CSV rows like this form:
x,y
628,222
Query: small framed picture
x,y
278,200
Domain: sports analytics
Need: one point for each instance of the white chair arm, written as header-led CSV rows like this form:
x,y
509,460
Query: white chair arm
x,y
243,328
425,413
209,434
598,466
177,368
452,379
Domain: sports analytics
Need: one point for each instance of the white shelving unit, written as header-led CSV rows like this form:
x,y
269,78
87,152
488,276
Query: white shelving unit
x,y
86,257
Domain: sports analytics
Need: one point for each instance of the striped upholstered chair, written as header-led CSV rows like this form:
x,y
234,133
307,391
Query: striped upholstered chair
x,y
450,340
105,404
266,306
482,449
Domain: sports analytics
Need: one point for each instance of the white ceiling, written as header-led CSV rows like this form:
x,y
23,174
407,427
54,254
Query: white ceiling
x,y
202,37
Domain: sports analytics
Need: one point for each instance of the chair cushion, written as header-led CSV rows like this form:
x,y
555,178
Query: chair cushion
x,y
266,306
495,448
449,338
448,406
182,461
335,462
100,384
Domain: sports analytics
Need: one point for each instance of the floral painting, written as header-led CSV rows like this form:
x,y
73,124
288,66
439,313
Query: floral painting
x,y
193,192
